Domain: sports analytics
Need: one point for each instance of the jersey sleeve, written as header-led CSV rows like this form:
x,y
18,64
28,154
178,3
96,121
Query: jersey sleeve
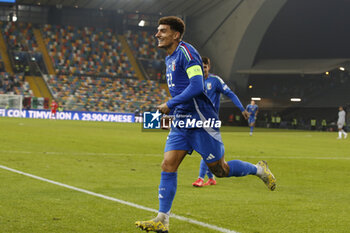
x,y
224,89
192,64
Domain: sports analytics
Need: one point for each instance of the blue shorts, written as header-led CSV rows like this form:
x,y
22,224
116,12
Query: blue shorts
x,y
251,120
207,143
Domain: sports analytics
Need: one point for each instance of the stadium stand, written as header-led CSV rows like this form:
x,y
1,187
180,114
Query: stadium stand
x,y
2,66
86,51
143,44
14,84
19,36
89,93
93,72
24,53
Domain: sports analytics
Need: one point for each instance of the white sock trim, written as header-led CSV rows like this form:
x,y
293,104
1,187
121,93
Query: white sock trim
x,y
163,217
259,170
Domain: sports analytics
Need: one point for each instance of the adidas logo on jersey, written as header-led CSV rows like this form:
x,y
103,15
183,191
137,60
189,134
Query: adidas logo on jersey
x,y
211,156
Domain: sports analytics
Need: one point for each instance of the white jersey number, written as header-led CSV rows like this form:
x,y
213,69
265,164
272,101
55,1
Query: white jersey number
x,y
170,80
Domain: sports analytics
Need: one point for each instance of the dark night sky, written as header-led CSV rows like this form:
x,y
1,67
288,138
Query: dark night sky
x,y
309,29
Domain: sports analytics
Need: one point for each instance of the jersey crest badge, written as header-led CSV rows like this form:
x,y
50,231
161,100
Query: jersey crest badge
x,y
173,65
208,86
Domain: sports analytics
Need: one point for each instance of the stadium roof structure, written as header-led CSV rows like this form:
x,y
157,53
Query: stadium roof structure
x,y
295,66
166,7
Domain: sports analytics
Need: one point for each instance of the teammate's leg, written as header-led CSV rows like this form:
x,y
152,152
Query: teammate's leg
x,y
251,125
211,180
203,168
210,174
251,129
167,189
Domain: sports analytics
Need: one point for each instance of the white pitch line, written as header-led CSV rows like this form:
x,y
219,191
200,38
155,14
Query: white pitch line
x,y
160,155
189,220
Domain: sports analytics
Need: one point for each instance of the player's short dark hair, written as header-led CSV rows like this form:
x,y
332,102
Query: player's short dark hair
x,y
206,60
174,22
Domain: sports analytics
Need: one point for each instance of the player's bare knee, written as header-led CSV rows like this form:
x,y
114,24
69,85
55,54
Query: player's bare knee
x,y
166,166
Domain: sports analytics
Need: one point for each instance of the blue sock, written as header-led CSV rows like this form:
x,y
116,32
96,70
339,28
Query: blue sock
x,y
209,174
203,168
167,190
251,129
241,168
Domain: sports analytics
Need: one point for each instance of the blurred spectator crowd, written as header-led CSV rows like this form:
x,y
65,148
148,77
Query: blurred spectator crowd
x,y
14,84
144,47
88,93
86,51
93,73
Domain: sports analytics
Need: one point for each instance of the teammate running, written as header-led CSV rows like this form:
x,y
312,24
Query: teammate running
x,y
252,109
214,86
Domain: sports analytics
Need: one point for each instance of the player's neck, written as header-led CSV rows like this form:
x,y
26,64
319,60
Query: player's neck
x,y
172,48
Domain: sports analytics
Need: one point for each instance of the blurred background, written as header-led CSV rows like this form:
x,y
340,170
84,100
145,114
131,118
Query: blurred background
x,y
291,56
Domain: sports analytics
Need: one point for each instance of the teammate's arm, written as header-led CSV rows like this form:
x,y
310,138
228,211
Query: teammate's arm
x,y
227,91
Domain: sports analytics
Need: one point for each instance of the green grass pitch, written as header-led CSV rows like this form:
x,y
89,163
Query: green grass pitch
x,y
121,161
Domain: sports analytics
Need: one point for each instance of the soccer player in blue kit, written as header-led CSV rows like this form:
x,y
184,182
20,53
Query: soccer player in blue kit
x,y
252,109
184,74
214,86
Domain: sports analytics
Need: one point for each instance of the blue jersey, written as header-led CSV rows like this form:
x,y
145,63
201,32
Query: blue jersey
x,y
252,109
214,86
184,73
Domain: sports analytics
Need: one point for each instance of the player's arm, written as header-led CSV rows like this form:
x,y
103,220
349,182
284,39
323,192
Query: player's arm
x,y
196,87
234,98
224,89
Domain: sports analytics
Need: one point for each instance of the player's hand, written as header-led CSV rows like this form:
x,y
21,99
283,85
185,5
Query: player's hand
x,y
163,108
245,114
165,122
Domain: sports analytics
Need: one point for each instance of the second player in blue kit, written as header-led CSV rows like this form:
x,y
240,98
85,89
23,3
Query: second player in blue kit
x,y
253,110
214,87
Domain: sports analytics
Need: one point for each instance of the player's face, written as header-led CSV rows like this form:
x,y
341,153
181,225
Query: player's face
x,y
166,37
206,68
